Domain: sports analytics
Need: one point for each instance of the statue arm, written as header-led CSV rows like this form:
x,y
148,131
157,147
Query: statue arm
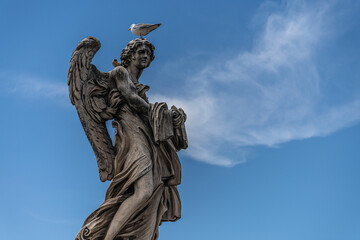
x,y
128,90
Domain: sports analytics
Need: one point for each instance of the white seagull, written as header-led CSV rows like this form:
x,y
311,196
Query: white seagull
x,y
142,29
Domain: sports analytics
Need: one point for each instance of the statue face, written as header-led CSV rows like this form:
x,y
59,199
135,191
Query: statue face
x,y
141,57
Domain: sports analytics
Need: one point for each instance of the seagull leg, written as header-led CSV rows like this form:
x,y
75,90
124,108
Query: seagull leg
x,y
141,37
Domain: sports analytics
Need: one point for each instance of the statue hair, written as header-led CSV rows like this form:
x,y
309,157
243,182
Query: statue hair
x,y
130,49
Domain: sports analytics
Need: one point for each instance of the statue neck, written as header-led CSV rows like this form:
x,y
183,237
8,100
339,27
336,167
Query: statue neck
x,y
135,73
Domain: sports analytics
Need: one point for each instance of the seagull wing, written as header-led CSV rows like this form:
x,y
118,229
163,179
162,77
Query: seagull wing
x,y
146,27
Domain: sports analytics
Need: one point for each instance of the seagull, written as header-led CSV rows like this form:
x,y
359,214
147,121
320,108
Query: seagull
x,y
142,29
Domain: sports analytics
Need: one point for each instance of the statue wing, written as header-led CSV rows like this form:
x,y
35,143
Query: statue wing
x,y
96,102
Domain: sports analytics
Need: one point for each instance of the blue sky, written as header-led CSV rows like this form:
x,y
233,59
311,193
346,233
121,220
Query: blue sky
x,y
272,93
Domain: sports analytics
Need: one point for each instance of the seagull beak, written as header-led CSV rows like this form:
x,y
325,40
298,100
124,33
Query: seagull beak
x,y
129,29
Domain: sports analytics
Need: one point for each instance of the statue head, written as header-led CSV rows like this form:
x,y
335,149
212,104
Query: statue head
x,y
136,51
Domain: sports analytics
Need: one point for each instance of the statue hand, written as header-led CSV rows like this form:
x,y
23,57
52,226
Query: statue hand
x,y
178,116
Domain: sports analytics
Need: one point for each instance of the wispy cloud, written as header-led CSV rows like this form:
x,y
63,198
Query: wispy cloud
x,y
35,87
268,95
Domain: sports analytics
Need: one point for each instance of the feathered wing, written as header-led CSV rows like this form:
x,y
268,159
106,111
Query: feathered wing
x,y
96,102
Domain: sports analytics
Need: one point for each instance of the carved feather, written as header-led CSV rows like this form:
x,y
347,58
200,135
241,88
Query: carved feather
x,y
96,102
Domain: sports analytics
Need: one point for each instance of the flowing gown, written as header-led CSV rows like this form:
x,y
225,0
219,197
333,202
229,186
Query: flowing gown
x,y
143,144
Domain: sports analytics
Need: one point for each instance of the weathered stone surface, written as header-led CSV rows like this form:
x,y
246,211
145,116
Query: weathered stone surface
x,y
142,163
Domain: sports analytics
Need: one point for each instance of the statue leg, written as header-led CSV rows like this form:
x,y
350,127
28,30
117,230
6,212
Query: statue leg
x,y
143,190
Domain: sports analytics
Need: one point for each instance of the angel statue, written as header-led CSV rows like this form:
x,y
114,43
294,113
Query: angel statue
x,y
142,162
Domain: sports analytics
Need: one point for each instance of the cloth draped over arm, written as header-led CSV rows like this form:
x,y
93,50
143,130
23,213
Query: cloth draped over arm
x,y
161,121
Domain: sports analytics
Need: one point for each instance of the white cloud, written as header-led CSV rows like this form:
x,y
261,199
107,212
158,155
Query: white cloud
x,y
267,95
34,87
